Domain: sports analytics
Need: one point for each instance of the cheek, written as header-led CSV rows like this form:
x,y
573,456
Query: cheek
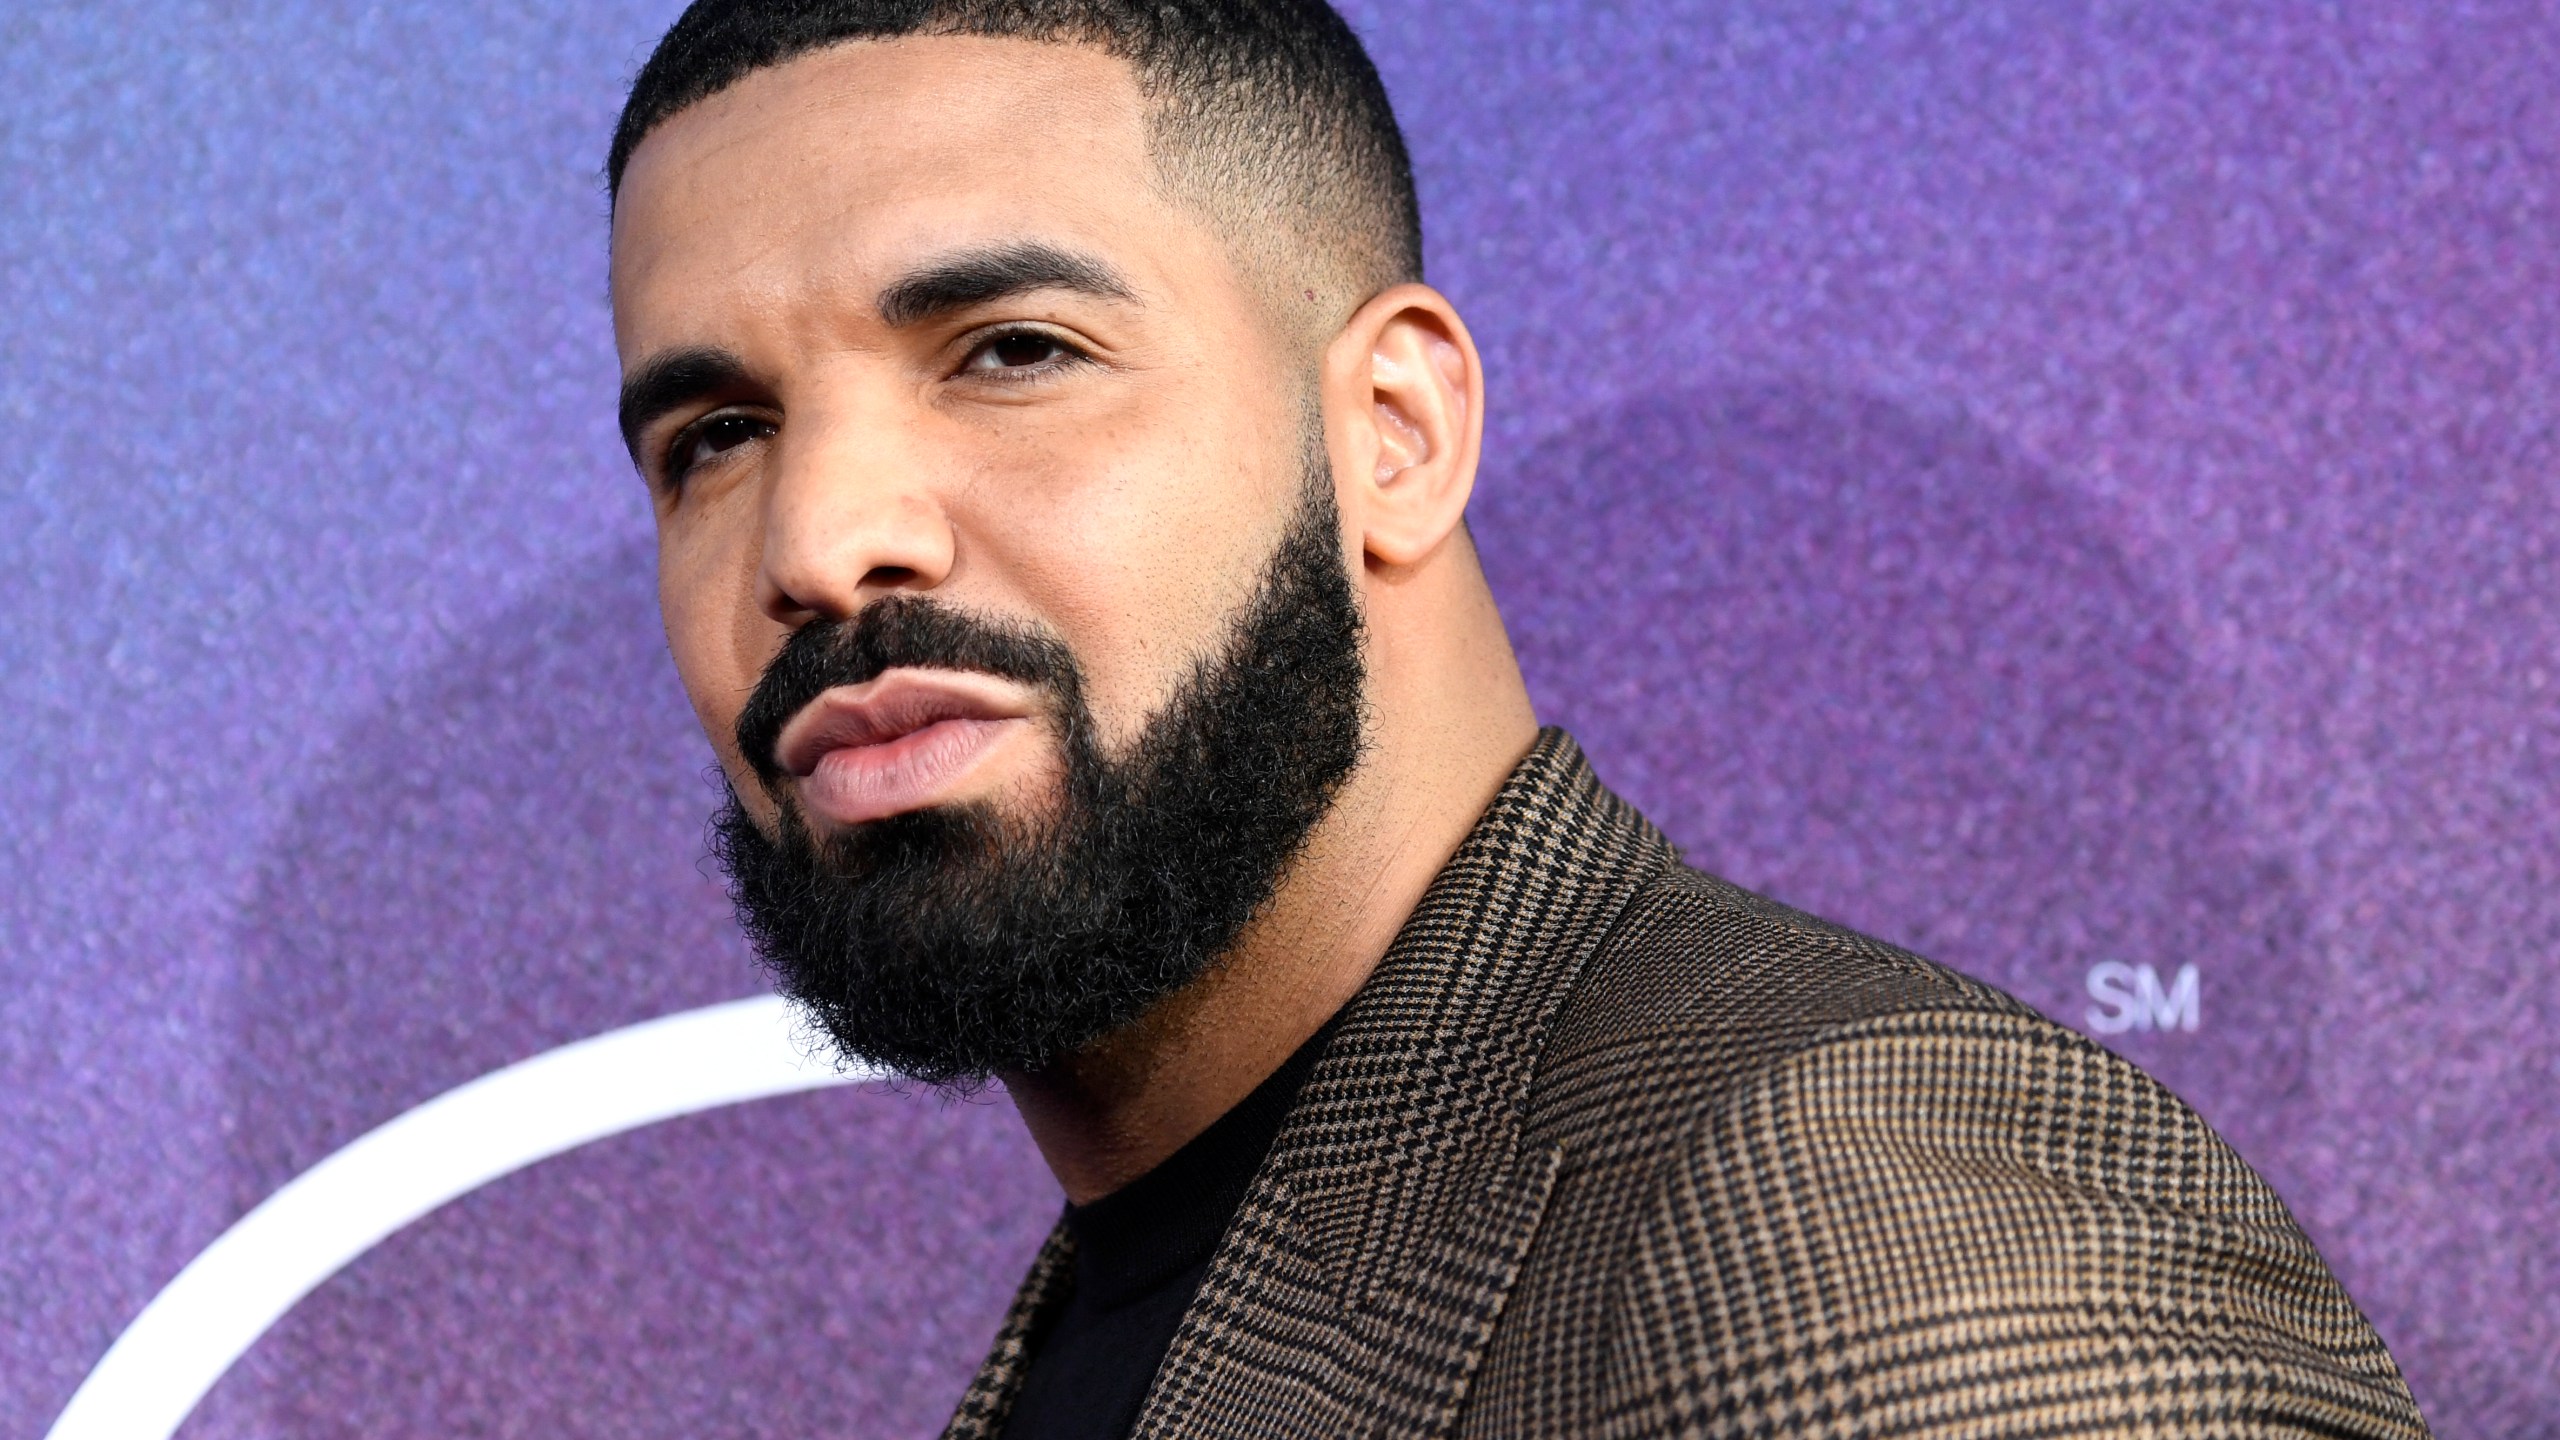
x,y
717,635
1143,565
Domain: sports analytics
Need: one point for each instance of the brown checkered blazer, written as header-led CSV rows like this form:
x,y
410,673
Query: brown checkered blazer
x,y
1610,1147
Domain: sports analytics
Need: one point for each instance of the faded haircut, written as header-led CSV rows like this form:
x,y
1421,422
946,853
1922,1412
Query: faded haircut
x,y
1266,114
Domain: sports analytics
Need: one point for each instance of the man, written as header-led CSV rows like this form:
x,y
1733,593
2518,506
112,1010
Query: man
x,y
1059,470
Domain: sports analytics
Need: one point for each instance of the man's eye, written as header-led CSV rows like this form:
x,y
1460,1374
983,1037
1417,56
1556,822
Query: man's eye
x,y
1019,350
712,439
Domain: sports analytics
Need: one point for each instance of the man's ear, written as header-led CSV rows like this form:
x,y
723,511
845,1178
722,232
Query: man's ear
x,y
1404,406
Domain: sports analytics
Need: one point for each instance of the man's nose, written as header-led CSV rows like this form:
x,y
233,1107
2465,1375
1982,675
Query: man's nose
x,y
851,513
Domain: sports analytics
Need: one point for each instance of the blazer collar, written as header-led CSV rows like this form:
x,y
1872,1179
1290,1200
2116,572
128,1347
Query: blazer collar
x,y
1416,1107
1398,1178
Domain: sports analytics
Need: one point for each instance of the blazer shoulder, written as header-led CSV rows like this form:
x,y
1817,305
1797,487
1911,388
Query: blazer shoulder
x,y
1990,1217
1700,985
1740,958
1832,1187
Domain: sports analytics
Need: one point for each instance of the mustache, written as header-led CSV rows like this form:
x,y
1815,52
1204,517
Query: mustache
x,y
899,631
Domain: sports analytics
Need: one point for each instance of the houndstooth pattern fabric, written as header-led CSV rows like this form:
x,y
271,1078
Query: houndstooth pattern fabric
x,y
989,1398
1609,1147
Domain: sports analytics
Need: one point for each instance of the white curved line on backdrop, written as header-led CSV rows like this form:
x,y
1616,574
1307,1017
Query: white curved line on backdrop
x,y
216,1308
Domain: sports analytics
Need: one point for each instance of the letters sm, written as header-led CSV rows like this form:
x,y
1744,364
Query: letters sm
x,y
2130,997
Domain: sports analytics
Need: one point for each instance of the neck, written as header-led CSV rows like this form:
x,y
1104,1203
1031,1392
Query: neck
x,y
1451,720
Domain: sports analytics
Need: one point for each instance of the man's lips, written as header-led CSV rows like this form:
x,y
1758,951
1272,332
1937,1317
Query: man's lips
x,y
901,742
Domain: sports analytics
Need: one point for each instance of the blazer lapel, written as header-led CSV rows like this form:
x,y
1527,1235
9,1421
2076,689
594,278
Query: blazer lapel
x,y
1358,1286
989,1399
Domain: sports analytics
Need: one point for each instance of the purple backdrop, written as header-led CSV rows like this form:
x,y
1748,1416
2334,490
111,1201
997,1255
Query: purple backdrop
x,y
2051,483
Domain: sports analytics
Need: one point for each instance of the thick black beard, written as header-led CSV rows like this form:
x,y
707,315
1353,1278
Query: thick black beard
x,y
952,943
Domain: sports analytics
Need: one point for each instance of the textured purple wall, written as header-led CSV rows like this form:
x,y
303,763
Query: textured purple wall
x,y
2046,482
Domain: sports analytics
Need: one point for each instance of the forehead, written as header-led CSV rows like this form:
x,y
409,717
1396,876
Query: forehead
x,y
839,167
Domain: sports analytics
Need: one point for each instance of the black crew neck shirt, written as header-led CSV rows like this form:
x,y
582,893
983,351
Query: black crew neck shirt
x,y
1141,1252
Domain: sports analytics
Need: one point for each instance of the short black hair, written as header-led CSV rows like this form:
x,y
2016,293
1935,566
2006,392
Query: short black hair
x,y
1270,109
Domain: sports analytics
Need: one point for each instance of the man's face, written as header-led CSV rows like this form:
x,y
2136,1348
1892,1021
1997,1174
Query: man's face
x,y
864,418
998,549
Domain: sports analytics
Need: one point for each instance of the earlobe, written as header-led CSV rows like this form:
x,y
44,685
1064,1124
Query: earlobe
x,y
1404,379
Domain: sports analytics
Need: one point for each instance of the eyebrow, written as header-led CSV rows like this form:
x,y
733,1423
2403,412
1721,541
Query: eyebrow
x,y
671,379
975,277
